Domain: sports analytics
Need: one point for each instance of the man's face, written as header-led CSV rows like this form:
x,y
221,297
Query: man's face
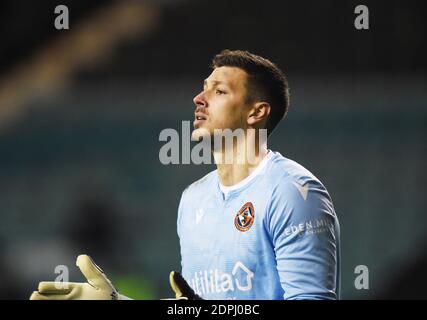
x,y
222,104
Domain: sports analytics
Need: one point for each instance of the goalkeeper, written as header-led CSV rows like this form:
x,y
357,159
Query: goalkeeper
x,y
260,226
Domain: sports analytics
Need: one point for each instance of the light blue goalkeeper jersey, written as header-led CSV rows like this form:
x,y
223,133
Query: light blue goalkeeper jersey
x,y
274,237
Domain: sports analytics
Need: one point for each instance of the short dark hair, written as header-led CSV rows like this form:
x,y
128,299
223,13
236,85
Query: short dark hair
x,y
266,82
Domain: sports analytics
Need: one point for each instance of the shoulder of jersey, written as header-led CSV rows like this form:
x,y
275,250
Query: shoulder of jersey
x,y
291,171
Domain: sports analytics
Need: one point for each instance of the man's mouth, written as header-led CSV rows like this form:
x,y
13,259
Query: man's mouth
x,y
199,119
200,116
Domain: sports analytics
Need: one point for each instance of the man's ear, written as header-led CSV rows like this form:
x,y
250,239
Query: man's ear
x,y
258,114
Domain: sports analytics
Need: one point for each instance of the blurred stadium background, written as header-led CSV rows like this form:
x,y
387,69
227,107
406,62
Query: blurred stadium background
x,y
81,111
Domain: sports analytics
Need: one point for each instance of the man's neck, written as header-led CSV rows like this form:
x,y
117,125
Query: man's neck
x,y
232,173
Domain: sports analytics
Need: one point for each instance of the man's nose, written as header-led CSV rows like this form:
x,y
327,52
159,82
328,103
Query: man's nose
x,y
200,100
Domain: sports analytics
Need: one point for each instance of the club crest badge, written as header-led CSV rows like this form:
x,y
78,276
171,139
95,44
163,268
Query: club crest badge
x,y
245,217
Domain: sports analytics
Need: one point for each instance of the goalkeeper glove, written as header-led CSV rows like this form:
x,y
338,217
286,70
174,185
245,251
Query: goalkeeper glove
x,y
181,288
98,286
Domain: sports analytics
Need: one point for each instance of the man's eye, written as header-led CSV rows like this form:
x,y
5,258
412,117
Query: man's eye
x,y
218,91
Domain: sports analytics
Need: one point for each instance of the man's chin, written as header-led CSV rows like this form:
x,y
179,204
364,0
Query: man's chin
x,y
199,133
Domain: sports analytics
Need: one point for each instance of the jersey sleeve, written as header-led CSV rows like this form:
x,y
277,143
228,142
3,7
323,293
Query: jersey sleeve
x,y
304,231
180,212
